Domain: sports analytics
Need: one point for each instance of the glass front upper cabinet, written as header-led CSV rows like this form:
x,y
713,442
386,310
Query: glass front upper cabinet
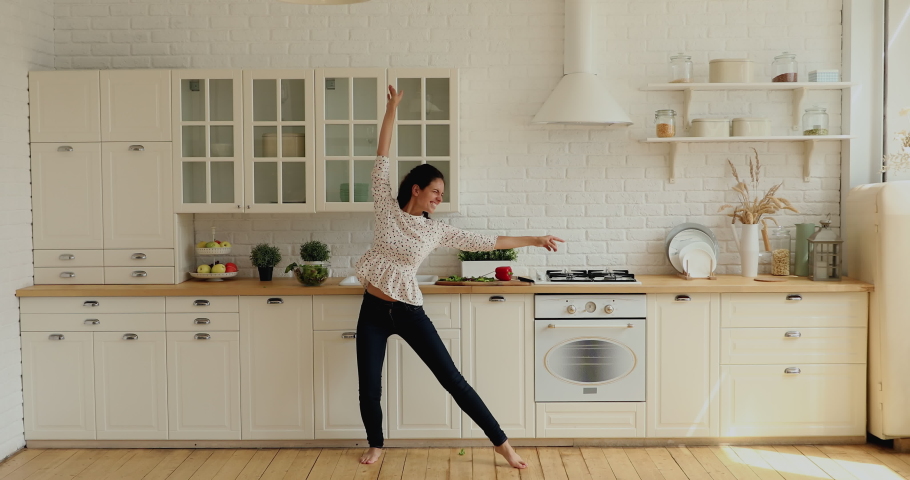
x,y
206,109
279,141
426,129
350,103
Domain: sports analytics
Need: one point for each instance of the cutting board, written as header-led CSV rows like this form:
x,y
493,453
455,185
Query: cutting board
x,y
497,283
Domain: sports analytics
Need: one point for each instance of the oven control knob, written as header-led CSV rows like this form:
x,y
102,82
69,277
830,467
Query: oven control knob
x,y
590,307
608,309
571,309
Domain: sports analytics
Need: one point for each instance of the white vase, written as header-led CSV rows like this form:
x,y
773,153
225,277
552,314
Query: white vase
x,y
480,268
747,242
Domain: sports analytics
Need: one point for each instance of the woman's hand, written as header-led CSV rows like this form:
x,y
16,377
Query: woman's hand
x,y
393,98
548,242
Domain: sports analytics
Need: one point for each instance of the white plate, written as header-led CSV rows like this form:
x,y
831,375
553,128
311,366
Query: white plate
x,y
683,239
697,260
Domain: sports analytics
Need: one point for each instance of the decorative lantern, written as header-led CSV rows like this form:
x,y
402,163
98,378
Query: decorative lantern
x,y
826,254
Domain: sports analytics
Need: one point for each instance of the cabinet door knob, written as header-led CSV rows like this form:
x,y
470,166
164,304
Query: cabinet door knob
x,y
56,336
136,148
139,273
67,274
202,336
201,303
349,335
91,303
67,256
92,321
130,336
65,148
497,298
683,298
793,334
139,256
792,371
274,301
201,321
794,298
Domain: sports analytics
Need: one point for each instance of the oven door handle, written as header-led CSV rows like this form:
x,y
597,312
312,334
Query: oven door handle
x,y
590,326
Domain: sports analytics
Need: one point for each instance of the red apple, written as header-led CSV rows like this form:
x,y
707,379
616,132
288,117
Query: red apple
x,y
230,267
504,273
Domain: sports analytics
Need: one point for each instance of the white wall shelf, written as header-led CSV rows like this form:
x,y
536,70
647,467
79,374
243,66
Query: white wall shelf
x,y
799,92
809,141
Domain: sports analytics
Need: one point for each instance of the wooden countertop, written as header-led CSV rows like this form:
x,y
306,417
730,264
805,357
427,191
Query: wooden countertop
x,y
288,286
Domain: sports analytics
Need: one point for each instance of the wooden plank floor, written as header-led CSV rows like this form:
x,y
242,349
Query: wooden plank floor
x,y
835,462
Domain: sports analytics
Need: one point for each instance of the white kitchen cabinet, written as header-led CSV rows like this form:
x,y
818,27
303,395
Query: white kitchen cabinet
x,y
683,365
207,140
276,358
67,196
136,105
279,128
498,360
591,420
138,202
203,385
64,106
58,386
131,385
426,129
419,407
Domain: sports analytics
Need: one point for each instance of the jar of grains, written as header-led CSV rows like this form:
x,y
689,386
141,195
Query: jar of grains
x,y
785,68
780,251
666,123
815,121
680,68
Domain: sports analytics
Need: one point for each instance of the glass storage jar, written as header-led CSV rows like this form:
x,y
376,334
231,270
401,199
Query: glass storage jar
x,y
785,68
666,123
780,251
680,68
815,121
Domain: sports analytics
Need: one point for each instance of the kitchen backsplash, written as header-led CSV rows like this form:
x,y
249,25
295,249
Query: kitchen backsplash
x,y
601,189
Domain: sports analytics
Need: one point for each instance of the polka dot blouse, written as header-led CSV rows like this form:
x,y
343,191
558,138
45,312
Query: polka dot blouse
x,y
401,241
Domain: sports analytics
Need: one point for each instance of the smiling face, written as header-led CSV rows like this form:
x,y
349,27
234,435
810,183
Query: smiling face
x,y
428,198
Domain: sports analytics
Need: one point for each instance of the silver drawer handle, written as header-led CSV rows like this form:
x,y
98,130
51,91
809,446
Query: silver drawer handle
x,y
139,273
139,256
202,336
130,336
794,298
67,275
136,148
683,298
201,321
91,303
274,301
629,325
497,298
349,335
92,321
56,336
67,256
201,303
65,148
792,371
793,334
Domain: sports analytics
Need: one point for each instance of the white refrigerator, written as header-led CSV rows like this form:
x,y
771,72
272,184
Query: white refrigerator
x,y
877,241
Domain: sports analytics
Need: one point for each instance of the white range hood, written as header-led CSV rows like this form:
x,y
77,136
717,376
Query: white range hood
x,y
581,97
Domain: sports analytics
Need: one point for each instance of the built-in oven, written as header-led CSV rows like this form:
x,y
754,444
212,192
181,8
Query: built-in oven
x,y
589,348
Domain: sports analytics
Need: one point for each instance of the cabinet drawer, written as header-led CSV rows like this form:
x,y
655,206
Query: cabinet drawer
x,y
197,322
591,420
794,310
93,305
69,258
139,258
90,321
443,310
764,401
203,305
336,312
138,275
764,346
69,276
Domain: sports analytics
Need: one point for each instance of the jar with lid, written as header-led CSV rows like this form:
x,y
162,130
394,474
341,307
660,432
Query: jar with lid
x,y
680,68
780,251
666,123
815,121
785,68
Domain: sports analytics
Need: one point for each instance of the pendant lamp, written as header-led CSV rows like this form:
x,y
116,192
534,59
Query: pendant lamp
x,y
324,2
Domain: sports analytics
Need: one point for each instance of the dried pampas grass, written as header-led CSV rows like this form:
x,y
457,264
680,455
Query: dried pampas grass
x,y
751,209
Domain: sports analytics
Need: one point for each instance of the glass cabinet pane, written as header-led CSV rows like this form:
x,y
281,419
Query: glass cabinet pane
x,y
222,138
437,140
265,142
365,99
336,174
193,141
293,141
437,99
222,182
336,140
336,99
403,169
409,141
293,100
265,182
293,182
443,166
192,100
193,182
410,107
221,100
362,171
364,140
265,98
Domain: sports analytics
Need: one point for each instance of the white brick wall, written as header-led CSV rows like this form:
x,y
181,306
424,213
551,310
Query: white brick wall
x,y
27,44
600,189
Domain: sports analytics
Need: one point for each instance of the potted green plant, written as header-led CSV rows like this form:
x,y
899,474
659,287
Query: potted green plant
x,y
475,264
265,257
314,266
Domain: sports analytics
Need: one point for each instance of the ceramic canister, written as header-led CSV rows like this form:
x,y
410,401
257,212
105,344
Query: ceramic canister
x,y
710,127
751,127
730,70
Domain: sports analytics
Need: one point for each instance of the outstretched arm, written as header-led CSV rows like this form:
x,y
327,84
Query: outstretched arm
x,y
385,133
546,241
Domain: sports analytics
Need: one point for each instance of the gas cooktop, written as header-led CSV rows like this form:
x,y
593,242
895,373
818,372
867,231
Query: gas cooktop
x,y
588,277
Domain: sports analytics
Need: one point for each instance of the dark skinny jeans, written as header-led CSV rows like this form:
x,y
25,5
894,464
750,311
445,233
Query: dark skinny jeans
x,y
378,320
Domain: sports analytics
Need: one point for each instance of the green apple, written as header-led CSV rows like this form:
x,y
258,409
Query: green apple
x,y
203,269
225,244
218,268
211,245
201,244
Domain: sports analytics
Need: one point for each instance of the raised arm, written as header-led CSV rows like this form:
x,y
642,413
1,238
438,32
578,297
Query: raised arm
x,y
388,122
546,241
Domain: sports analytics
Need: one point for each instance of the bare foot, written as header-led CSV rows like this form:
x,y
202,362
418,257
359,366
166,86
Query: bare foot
x,y
371,456
509,454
